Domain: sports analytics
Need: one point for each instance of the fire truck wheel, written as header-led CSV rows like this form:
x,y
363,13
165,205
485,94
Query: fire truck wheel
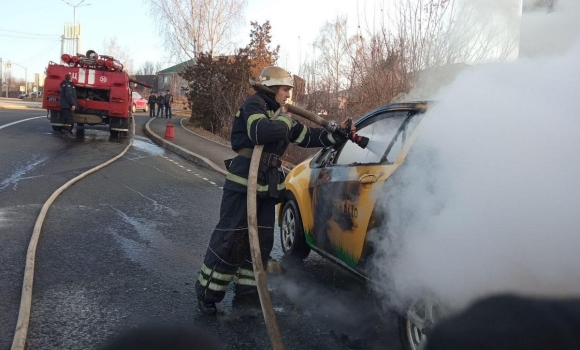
x,y
133,108
56,128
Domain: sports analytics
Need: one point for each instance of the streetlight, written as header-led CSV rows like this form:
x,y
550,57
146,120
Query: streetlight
x,y
25,76
75,37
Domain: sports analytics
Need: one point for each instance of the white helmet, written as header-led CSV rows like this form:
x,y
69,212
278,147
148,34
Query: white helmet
x,y
272,76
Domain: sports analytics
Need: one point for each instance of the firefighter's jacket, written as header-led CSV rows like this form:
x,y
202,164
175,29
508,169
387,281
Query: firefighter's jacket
x,y
253,126
68,95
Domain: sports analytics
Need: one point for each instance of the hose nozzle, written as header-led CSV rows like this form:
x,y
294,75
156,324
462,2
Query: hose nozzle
x,y
359,140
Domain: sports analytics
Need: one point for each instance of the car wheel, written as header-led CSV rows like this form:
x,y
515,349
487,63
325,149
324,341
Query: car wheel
x,y
292,236
133,108
421,317
146,109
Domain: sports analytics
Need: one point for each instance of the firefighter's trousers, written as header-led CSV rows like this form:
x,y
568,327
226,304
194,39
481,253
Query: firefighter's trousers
x,y
228,256
68,118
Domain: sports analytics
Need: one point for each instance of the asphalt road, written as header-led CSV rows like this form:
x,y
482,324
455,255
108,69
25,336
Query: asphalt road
x,y
122,247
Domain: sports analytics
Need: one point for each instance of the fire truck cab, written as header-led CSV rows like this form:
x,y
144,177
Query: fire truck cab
x,y
103,91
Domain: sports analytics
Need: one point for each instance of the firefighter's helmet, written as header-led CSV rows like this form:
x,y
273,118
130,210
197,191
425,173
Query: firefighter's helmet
x,y
272,76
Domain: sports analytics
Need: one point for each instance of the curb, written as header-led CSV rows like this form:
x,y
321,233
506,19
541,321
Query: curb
x,y
182,152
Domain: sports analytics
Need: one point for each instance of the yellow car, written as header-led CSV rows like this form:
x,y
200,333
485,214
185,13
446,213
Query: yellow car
x,y
330,203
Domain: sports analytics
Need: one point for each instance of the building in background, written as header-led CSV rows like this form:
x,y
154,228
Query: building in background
x,y
169,78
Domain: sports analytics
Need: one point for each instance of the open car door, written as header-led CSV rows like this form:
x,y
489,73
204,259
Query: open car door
x,y
345,189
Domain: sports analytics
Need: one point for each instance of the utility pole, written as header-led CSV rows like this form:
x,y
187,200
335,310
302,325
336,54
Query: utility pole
x,y
75,38
1,76
8,68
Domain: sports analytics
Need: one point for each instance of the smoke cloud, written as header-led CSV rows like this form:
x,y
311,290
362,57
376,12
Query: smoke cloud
x,y
489,200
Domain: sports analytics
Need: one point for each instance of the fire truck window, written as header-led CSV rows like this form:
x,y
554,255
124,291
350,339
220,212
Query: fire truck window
x,y
381,131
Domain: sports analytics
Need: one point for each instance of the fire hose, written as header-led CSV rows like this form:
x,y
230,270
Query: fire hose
x,y
260,275
19,340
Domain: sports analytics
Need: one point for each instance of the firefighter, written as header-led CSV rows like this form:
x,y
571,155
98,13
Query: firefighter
x,y
228,256
152,101
68,102
160,104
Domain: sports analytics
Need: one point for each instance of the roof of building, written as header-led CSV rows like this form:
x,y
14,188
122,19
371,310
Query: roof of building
x,y
180,67
149,79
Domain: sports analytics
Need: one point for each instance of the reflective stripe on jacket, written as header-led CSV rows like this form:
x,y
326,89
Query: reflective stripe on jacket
x,y
253,125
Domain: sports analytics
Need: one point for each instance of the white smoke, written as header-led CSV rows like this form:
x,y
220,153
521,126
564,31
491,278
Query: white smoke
x,y
489,199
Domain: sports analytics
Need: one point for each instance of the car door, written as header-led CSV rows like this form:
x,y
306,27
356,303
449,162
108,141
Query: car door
x,y
344,192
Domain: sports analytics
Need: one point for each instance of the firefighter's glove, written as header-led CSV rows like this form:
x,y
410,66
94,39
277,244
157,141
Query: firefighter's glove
x,y
340,136
284,117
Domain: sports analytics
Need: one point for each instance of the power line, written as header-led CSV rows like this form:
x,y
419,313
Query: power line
x,y
25,37
37,57
14,31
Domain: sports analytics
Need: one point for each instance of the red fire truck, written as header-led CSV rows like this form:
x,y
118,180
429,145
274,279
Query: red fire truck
x,y
103,91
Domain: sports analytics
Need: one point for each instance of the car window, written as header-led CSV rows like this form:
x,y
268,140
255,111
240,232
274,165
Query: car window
x,y
393,150
136,95
385,133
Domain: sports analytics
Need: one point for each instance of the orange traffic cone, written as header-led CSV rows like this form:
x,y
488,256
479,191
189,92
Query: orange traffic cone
x,y
169,131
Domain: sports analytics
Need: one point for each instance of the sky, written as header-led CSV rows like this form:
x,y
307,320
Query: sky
x,y
487,201
130,22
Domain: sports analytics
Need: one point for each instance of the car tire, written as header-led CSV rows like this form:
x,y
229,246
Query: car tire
x,y
428,313
133,108
292,236
146,109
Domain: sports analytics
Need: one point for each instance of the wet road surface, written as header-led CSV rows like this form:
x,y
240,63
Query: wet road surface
x,y
121,248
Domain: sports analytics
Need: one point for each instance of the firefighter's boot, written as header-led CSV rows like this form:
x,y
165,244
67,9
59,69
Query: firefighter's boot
x,y
206,308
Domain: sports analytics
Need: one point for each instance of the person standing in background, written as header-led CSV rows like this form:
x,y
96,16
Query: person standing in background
x,y
160,104
168,101
152,101
68,102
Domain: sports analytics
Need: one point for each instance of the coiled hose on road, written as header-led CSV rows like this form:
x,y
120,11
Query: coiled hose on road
x,y
19,340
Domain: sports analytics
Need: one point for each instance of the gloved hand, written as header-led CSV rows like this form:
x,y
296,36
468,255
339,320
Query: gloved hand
x,y
339,137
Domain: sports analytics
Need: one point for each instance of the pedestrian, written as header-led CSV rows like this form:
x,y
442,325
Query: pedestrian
x,y
160,104
168,101
68,102
228,256
152,101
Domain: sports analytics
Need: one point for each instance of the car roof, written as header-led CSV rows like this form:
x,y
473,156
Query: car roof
x,y
420,106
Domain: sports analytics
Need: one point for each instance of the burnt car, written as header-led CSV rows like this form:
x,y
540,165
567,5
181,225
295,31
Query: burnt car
x,y
331,206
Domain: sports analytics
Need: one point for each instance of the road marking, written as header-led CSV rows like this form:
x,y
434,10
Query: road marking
x,y
189,170
20,121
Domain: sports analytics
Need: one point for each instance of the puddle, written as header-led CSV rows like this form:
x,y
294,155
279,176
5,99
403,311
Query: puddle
x,y
19,173
145,145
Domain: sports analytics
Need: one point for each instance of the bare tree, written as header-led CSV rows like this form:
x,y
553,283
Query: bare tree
x,y
194,26
149,68
112,48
